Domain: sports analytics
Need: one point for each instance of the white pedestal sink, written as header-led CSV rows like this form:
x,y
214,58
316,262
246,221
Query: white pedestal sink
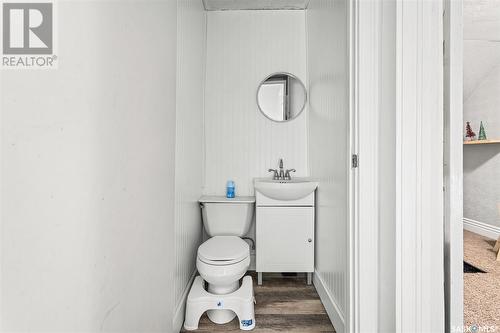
x,y
294,189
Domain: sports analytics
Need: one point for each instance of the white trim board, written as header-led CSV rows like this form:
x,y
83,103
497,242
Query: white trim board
x,y
178,319
331,307
453,162
481,228
366,25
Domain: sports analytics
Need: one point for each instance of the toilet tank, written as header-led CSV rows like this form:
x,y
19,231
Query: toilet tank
x,y
227,216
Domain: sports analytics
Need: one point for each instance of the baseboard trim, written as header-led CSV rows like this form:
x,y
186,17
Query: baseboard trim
x,y
181,307
481,228
331,306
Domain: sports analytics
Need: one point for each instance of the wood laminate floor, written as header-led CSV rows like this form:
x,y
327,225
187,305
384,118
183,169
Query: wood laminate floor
x,y
284,304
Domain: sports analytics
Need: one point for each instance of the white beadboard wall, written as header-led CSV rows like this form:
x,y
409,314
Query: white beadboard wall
x,y
243,47
189,161
328,149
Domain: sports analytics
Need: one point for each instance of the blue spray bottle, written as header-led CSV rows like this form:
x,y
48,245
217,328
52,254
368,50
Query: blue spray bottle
x,y
230,189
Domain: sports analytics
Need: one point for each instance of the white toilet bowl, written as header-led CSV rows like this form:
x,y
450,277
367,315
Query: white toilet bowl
x,y
222,261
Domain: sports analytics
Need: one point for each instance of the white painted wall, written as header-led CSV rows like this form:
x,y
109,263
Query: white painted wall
x,y
328,51
189,146
243,48
88,175
481,99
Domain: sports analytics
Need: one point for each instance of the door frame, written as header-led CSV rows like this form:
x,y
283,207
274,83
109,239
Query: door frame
x,y
365,28
453,163
419,211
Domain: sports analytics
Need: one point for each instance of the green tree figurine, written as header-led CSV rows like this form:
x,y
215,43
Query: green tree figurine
x,y
482,133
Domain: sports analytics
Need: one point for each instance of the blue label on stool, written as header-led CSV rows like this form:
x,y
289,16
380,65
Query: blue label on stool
x,y
220,304
247,322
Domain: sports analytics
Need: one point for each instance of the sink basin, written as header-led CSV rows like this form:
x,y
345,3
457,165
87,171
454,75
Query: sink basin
x,y
293,189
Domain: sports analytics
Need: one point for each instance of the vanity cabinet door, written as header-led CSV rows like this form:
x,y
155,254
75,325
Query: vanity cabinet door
x,y
285,239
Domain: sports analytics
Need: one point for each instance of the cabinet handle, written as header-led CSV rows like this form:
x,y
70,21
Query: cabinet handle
x,y
309,240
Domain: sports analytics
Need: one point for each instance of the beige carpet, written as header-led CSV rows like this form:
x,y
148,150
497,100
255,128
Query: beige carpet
x,y
481,290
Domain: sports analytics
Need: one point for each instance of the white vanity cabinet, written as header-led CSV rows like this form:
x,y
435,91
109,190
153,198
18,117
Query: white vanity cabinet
x,y
284,235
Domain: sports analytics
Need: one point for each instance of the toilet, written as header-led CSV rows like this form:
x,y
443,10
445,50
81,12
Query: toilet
x,y
222,261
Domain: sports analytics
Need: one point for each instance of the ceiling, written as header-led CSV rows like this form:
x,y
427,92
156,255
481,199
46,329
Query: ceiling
x,y
254,4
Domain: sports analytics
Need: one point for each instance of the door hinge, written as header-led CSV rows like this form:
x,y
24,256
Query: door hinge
x,y
355,161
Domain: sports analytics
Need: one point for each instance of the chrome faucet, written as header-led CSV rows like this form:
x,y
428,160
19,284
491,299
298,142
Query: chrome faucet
x,y
287,174
281,174
276,175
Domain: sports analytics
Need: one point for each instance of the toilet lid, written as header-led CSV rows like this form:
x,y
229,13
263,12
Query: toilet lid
x,y
223,250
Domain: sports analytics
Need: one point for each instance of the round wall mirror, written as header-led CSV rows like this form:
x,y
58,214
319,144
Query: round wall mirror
x,y
281,97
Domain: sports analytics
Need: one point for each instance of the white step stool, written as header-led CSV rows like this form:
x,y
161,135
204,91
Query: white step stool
x,y
240,301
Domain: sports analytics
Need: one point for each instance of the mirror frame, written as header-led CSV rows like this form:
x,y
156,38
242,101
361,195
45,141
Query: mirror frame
x,y
303,87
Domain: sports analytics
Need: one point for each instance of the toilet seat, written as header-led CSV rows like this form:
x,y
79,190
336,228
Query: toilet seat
x,y
223,260
223,251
